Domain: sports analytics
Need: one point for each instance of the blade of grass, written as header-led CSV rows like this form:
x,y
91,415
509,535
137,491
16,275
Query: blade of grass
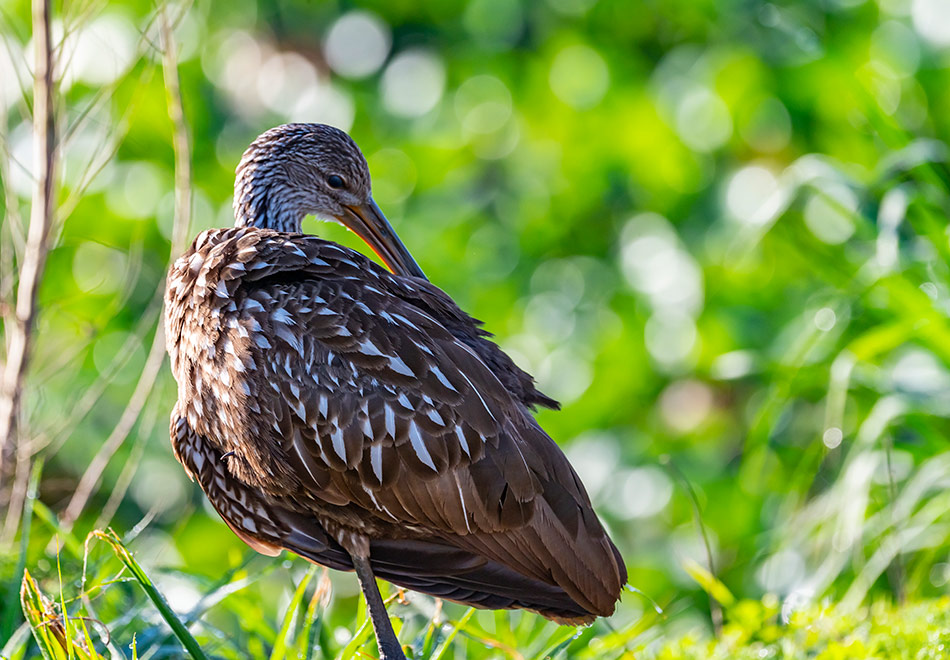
x,y
362,634
280,646
70,543
432,631
123,554
46,626
709,583
311,633
447,643
559,641
365,630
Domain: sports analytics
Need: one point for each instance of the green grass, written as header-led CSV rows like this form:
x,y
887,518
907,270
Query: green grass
x,y
751,629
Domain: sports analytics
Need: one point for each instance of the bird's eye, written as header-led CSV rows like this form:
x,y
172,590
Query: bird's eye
x,y
335,181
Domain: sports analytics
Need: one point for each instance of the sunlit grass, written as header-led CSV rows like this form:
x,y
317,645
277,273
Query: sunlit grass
x,y
751,629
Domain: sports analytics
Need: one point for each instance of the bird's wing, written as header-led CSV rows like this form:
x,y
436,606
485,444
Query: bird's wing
x,y
377,407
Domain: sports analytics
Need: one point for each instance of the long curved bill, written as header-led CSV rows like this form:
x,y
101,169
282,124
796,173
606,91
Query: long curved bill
x,y
368,222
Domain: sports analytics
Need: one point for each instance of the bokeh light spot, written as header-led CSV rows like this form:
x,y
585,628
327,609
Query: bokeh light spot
x,y
159,487
99,52
644,492
753,195
325,104
832,437
685,405
141,188
282,78
670,339
482,104
655,265
412,84
825,319
98,269
895,45
932,20
579,76
829,213
357,44
703,120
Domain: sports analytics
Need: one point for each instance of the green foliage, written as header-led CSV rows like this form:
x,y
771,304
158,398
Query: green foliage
x,y
753,629
716,231
882,631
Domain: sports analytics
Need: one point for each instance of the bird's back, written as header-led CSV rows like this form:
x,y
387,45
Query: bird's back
x,y
321,396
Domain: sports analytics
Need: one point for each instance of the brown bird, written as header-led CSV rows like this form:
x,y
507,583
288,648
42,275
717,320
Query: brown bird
x,y
358,417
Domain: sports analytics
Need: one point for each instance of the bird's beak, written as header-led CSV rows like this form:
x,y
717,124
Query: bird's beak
x,y
368,222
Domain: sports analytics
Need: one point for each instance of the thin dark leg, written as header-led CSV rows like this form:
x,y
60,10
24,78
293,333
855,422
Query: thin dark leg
x,y
389,648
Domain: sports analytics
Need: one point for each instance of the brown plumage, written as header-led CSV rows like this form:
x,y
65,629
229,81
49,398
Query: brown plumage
x,y
359,418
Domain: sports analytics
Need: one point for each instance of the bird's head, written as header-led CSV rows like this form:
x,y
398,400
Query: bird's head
x,y
296,170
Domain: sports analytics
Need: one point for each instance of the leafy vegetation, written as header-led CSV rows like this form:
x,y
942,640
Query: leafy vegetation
x,y
716,231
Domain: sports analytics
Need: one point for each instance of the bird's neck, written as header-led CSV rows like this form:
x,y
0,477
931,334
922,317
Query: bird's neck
x,y
262,201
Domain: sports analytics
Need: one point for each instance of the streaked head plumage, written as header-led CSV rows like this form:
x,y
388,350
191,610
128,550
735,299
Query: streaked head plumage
x,y
295,170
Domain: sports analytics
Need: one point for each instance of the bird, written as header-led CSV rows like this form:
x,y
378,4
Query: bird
x,y
354,415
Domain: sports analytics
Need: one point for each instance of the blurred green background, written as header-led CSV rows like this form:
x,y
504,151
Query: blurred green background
x,y
716,231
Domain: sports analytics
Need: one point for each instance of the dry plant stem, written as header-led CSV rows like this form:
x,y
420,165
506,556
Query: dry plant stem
x,y
181,143
129,469
34,258
156,353
130,415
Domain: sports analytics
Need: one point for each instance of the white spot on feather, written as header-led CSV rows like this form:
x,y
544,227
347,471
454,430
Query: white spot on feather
x,y
462,502
366,347
281,315
479,395
435,371
400,367
402,319
463,442
419,446
390,417
336,437
376,460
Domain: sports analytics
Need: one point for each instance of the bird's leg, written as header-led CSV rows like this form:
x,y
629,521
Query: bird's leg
x,y
389,648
